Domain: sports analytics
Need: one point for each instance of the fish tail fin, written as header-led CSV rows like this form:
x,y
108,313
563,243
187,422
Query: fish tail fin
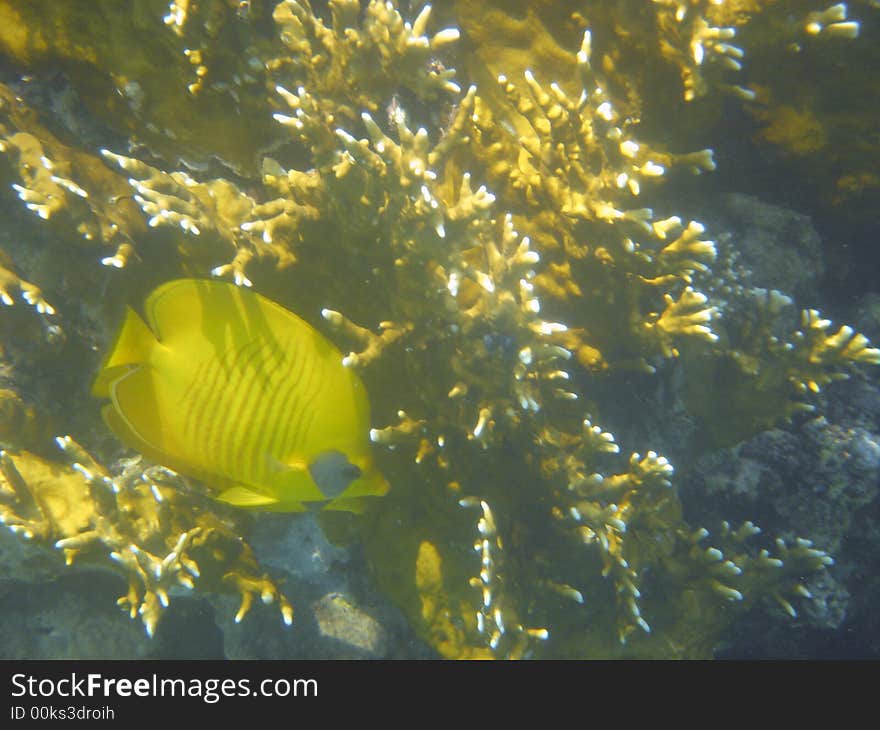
x,y
132,347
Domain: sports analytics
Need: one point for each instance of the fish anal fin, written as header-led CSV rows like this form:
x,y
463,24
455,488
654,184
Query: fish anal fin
x,y
245,497
240,496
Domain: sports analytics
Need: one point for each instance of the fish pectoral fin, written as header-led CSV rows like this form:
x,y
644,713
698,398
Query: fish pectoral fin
x,y
278,466
244,497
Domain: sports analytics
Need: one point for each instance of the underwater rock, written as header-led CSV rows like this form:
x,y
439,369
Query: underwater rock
x,y
71,617
780,248
338,615
339,619
821,474
817,476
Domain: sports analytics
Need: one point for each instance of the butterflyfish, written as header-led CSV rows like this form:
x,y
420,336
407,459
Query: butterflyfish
x,y
226,386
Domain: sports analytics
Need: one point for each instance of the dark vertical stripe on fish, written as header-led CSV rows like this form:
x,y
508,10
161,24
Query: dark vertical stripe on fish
x,y
190,399
275,361
296,400
215,405
200,403
282,395
242,380
287,437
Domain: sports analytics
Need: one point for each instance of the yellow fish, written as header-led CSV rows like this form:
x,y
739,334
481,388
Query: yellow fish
x,y
226,386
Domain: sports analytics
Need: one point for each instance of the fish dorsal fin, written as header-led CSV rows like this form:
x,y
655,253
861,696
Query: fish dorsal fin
x,y
178,304
220,311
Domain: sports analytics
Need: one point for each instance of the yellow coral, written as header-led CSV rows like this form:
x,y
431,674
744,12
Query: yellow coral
x,y
443,633
144,523
11,282
796,130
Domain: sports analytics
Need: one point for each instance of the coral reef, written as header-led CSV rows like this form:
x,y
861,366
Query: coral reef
x,y
145,520
822,474
500,247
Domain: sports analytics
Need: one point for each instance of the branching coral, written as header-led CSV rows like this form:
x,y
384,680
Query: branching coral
x,y
211,214
575,172
773,369
145,522
690,40
733,574
10,283
496,620
363,55
54,181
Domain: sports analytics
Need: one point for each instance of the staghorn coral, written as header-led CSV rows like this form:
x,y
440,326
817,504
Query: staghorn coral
x,y
489,258
62,184
574,168
802,125
143,522
110,55
10,283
